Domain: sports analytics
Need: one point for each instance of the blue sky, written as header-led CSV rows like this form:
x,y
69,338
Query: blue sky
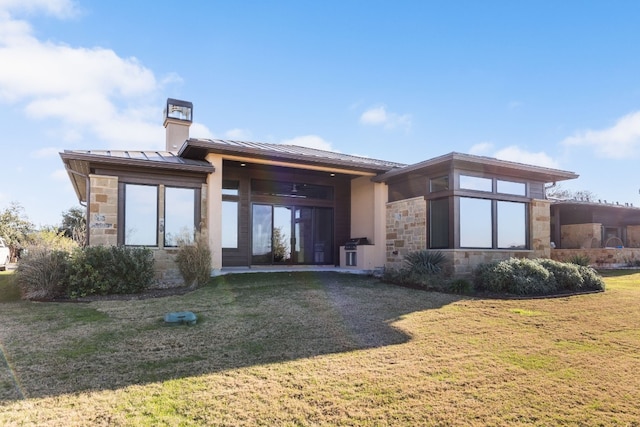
x,y
550,83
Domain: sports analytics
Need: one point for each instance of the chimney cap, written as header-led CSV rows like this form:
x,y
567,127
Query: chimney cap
x,y
178,110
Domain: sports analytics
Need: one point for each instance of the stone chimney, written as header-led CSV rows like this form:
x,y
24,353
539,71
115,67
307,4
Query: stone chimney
x,y
178,116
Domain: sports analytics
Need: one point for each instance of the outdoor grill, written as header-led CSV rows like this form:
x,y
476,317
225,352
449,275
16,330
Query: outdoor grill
x,y
351,250
352,244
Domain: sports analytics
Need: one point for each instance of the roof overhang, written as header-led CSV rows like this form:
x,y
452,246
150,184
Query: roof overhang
x,y
482,164
80,164
285,156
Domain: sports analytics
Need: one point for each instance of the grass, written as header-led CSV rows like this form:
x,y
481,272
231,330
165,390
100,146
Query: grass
x,y
324,349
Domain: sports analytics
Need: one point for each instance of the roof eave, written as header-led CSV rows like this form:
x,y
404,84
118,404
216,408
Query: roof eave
x,y
198,149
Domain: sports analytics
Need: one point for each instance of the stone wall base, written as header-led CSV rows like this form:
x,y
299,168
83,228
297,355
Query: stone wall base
x,y
600,257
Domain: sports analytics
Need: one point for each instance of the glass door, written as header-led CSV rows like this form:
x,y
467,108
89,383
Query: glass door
x,y
291,235
281,235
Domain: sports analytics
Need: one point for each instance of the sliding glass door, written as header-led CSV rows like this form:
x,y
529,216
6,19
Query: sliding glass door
x,y
291,234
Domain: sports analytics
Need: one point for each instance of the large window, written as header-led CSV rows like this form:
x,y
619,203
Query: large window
x,y
475,223
179,215
141,215
144,222
512,222
479,228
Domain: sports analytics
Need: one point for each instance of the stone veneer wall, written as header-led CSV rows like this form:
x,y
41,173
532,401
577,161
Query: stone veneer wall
x,y
406,229
633,236
540,228
103,210
577,236
407,232
600,257
465,260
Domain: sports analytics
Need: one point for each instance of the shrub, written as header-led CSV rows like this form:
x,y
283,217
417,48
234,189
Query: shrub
x,y
567,275
426,269
535,277
194,260
460,286
42,273
520,276
531,278
422,263
106,270
591,280
579,259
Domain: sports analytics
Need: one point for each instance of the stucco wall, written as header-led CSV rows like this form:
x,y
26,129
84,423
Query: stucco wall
x,y
576,236
406,229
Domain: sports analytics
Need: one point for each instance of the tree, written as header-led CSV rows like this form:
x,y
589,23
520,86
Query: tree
x,y
558,192
74,225
15,228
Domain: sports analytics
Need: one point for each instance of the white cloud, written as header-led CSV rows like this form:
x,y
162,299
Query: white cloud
x,y
379,116
92,93
310,141
45,152
59,8
198,130
481,148
622,140
517,154
238,134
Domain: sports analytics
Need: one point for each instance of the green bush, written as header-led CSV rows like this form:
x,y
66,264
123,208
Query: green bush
x,y
535,277
422,263
42,273
567,274
425,269
579,259
591,280
194,260
106,270
460,286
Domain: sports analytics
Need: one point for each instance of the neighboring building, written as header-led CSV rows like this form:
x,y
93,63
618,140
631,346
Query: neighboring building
x,y
271,204
609,233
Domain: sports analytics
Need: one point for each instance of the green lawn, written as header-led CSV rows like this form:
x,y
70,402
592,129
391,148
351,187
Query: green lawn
x,y
323,349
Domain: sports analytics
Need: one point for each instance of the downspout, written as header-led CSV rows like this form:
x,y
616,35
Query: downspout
x,y
87,189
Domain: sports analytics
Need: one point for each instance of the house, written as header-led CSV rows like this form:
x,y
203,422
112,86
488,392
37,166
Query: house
x,y
609,233
283,205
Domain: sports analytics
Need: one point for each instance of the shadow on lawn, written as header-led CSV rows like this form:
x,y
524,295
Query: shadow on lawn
x,y
242,322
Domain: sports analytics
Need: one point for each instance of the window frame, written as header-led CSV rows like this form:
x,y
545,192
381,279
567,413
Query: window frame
x,y
457,191
160,185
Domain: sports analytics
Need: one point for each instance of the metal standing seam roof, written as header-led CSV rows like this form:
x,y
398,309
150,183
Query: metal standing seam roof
x,y
127,156
79,163
474,162
198,148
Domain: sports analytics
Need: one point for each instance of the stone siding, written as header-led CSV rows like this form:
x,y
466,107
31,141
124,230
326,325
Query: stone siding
x,y
103,210
633,236
578,236
600,257
406,229
540,231
465,260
